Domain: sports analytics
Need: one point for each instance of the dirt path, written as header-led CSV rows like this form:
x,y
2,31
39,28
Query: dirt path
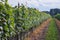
x,y
39,32
58,26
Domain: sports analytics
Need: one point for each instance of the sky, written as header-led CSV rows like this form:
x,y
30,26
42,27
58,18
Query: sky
x,y
42,5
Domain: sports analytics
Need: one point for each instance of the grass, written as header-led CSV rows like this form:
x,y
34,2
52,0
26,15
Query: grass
x,y
52,33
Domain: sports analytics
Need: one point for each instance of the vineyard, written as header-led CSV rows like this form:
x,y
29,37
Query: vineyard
x,y
16,23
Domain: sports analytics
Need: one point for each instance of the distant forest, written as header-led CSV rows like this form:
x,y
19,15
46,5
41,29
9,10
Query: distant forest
x,y
53,11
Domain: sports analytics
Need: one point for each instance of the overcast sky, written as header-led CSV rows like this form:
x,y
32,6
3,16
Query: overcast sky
x,y
42,5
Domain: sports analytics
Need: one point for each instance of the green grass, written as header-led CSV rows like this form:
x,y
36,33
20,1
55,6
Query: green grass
x,y
52,33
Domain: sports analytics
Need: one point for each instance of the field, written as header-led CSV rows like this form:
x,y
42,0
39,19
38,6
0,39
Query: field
x,y
24,23
52,33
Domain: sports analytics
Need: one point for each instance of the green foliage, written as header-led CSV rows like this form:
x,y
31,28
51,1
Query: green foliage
x,y
6,21
16,20
1,6
57,16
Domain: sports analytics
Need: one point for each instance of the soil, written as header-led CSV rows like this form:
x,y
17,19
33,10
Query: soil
x,y
40,32
58,27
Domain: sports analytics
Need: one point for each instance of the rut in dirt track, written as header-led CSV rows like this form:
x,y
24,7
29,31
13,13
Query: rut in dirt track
x,y
40,32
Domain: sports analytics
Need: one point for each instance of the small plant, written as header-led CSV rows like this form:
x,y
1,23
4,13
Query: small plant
x,y
57,16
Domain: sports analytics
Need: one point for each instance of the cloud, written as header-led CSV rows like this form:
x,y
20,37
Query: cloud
x,y
50,3
39,4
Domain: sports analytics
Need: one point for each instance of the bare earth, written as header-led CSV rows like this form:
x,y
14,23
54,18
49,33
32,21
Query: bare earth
x,y
40,32
58,26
